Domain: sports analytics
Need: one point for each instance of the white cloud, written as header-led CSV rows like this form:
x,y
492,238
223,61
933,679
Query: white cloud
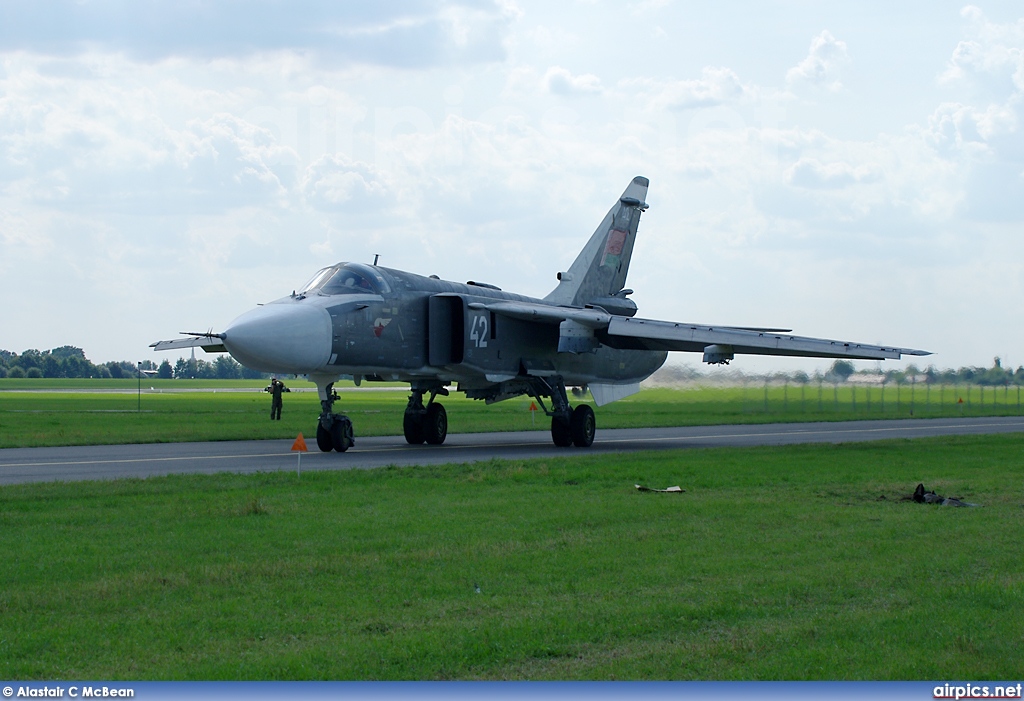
x,y
116,143
810,173
716,86
958,127
980,132
559,81
992,59
823,64
414,33
336,183
234,162
22,240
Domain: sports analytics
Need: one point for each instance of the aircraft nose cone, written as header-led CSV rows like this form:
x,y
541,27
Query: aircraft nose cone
x,y
285,338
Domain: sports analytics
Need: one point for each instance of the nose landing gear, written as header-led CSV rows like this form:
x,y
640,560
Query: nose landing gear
x,y
333,431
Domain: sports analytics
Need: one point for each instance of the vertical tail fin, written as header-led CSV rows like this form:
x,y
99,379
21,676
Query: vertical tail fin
x,y
599,271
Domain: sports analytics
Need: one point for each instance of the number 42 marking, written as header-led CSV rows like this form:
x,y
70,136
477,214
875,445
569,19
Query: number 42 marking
x,y
478,331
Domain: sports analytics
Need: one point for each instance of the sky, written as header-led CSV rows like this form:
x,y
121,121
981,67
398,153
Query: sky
x,y
847,170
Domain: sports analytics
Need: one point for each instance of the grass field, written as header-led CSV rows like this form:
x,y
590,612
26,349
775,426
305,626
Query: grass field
x,y
777,563
81,412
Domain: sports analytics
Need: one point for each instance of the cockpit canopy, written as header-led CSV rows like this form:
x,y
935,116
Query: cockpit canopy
x,y
346,279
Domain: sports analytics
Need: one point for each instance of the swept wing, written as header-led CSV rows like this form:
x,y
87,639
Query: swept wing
x,y
718,343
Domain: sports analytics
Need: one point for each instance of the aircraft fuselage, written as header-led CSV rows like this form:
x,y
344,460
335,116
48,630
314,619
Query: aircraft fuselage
x,y
397,326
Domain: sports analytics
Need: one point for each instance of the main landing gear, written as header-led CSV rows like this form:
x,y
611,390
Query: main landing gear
x,y
333,431
569,426
578,430
428,423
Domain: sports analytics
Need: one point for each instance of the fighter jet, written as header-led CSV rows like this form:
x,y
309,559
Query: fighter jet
x,y
367,322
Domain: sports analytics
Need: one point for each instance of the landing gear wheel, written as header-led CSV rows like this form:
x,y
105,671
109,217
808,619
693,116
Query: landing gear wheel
x,y
582,426
435,424
413,427
323,439
341,434
560,432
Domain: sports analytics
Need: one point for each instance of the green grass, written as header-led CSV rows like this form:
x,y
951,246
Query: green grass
x,y
777,563
130,385
96,412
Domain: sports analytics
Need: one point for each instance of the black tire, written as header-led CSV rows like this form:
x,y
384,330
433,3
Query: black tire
x,y
560,433
341,433
323,439
583,426
435,424
412,425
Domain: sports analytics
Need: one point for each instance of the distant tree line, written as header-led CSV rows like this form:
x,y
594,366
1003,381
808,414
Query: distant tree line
x,y
997,375
223,368
69,361
844,371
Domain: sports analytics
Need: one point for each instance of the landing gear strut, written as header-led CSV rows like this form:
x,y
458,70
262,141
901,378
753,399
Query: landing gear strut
x,y
333,431
568,426
425,423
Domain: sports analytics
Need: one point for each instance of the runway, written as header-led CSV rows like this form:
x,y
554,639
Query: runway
x,y
75,463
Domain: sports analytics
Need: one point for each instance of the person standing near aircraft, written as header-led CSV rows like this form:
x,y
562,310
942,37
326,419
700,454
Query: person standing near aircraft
x,y
276,388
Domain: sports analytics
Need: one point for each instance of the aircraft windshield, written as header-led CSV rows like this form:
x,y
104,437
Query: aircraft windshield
x,y
347,278
316,281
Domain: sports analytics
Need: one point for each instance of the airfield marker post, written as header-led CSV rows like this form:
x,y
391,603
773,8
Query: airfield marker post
x,y
299,446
